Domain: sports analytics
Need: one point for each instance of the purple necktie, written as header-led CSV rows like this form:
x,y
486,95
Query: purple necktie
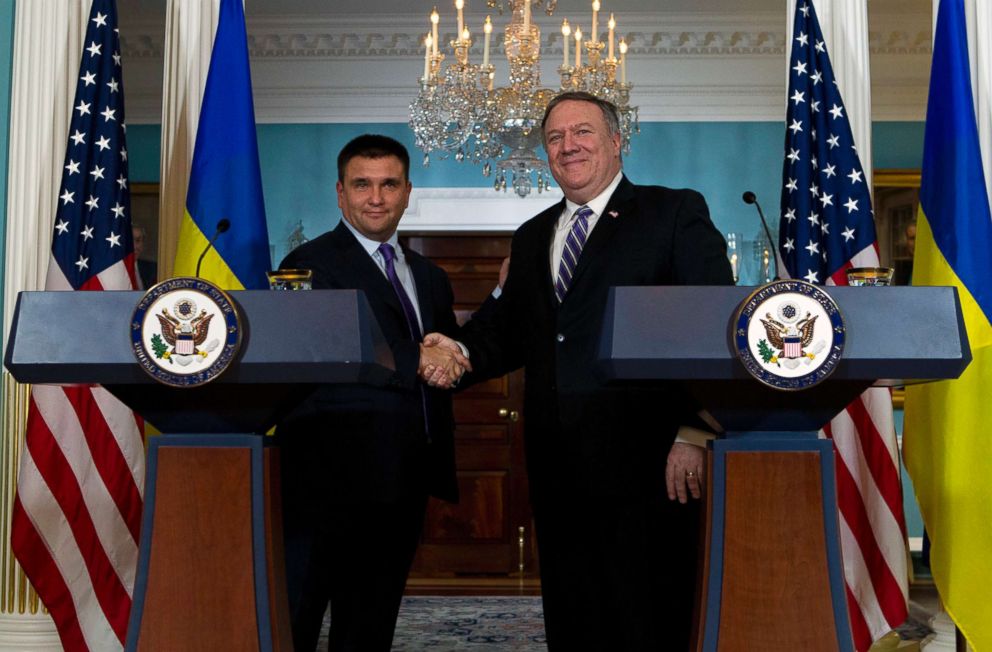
x,y
389,256
573,248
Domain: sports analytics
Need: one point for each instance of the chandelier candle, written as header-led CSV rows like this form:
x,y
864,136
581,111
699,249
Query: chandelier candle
x,y
487,30
595,20
428,41
612,25
566,31
623,61
435,17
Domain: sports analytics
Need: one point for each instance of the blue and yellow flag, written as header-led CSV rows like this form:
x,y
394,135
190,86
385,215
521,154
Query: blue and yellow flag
x,y
225,181
947,446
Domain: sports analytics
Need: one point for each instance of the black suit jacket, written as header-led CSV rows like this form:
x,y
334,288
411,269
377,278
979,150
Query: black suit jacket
x,y
360,443
582,435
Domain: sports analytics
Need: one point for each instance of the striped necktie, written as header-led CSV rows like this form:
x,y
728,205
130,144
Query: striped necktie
x,y
389,256
573,248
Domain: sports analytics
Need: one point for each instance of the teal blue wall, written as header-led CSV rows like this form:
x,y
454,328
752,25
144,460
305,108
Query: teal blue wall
x,y
897,144
914,521
720,159
6,63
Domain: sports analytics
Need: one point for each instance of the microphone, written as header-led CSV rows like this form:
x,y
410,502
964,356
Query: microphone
x,y
750,198
223,225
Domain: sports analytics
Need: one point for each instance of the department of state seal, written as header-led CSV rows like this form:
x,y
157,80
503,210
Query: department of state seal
x,y
185,331
789,334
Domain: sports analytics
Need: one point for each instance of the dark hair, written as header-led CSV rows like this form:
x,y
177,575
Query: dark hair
x,y
610,115
373,146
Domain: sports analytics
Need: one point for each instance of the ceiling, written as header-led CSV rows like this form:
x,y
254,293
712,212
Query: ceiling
x,y
148,8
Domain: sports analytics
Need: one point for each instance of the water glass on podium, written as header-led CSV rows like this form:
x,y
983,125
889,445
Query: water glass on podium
x,y
734,243
290,279
869,276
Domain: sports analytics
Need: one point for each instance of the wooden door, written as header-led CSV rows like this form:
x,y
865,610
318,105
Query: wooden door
x,y
480,536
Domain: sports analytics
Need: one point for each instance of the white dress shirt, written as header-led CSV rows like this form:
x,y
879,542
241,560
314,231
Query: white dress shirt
x,y
399,263
567,218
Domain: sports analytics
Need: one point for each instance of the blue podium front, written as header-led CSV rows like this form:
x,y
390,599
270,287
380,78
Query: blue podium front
x,y
210,570
772,573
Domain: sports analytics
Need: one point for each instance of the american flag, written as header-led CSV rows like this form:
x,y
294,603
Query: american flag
x,y
828,227
77,513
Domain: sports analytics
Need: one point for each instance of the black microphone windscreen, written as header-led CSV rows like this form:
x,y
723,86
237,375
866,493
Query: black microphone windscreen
x,y
748,197
223,225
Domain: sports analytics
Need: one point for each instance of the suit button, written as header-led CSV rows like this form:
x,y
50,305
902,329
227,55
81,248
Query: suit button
x,y
560,338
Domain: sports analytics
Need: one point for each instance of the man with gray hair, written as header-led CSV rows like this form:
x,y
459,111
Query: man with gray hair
x,y
610,485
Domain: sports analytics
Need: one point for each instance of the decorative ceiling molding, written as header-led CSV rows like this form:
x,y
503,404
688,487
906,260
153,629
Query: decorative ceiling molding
x,y
364,45
900,42
688,66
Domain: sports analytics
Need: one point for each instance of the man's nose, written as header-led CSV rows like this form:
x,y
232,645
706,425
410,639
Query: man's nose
x,y
569,143
376,196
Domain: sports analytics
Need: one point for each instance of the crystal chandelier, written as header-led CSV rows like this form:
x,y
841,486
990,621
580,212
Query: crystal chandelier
x,y
457,109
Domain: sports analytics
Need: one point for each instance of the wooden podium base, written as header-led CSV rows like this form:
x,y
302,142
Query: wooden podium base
x,y
210,567
773,570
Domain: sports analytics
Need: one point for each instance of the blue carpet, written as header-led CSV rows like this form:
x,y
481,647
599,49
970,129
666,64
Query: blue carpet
x,y
479,624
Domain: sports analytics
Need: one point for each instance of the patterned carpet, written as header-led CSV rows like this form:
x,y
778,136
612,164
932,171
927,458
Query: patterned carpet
x,y
515,624
446,624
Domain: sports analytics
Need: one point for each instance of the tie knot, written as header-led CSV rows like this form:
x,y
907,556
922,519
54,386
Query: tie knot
x,y
387,252
583,213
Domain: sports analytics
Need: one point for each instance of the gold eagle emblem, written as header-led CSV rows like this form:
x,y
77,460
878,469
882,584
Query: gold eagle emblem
x,y
198,327
776,330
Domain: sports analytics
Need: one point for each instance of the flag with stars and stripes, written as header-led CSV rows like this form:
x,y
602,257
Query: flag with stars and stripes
x,y
827,227
77,513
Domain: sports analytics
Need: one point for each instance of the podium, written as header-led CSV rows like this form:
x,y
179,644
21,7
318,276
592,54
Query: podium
x,y
210,569
772,569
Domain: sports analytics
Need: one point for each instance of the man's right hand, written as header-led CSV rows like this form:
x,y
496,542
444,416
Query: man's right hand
x,y
442,361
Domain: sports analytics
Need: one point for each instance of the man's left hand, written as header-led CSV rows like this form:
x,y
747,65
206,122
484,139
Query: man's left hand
x,y
684,471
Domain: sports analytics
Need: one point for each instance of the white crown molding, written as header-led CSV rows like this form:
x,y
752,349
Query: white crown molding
x,y
685,67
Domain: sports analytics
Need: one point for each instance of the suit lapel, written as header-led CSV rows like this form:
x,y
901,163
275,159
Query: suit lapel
x,y
547,232
422,279
363,271
620,203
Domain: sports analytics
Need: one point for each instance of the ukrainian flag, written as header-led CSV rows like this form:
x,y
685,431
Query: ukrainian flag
x,y
947,447
226,181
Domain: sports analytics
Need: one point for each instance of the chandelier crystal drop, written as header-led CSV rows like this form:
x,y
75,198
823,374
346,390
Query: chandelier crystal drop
x,y
459,112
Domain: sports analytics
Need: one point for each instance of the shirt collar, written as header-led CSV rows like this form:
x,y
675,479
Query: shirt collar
x,y
372,246
597,203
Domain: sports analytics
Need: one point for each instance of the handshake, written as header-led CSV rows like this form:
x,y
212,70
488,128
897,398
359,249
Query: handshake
x,y
442,362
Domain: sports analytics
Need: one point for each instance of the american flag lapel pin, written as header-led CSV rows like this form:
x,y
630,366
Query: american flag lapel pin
x,y
614,214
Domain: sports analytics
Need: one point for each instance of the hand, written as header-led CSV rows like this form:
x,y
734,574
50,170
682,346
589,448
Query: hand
x,y
442,362
684,470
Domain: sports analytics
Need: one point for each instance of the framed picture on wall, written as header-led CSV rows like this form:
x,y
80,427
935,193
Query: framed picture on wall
x,y
897,201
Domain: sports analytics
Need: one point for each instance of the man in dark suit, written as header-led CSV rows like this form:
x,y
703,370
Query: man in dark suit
x,y
146,270
618,556
359,462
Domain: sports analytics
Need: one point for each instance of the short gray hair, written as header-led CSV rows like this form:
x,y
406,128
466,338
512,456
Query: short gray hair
x,y
609,111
